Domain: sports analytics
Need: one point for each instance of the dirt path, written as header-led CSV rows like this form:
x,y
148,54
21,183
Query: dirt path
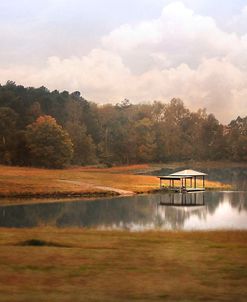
x,y
120,191
103,188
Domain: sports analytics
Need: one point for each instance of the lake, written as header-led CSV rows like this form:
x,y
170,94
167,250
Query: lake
x,y
176,211
167,211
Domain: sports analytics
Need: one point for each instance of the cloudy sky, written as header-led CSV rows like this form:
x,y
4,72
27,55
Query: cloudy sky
x,y
143,50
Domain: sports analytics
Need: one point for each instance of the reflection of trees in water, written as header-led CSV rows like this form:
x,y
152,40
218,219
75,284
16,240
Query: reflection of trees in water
x,y
238,200
174,218
84,214
124,212
31,215
119,212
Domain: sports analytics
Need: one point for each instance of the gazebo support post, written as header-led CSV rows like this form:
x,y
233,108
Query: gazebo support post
x,y
180,180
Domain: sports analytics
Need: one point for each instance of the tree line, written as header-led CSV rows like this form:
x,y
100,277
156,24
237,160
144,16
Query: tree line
x,y
46,128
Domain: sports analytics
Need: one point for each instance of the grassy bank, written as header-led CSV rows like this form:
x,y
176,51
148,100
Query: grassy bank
x,y
86,265
80,181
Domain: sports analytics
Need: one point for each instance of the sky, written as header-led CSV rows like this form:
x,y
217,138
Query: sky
x,y
143,50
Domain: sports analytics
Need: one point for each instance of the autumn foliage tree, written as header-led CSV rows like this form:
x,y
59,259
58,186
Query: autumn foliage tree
x,y
237,139
84,148
124,133
49,145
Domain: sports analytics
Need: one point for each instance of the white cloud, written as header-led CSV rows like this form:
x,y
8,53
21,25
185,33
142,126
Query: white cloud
x,y
101,75
180,54
179,33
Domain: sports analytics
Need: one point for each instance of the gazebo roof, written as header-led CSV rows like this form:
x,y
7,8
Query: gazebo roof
x,y
188,173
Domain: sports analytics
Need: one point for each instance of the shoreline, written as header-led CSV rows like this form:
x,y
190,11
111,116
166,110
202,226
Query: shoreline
x,y
34,184
58,195
113,193
23,199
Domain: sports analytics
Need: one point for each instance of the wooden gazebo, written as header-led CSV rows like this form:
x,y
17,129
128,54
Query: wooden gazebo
x,y
186,181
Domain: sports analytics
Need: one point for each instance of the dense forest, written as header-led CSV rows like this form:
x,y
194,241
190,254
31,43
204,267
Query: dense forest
x,y
55,129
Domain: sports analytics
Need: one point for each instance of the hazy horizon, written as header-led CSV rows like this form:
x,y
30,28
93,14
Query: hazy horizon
x,y
142,50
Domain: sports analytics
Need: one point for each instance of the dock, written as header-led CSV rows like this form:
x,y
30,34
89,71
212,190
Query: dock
x,y
182,190
183,181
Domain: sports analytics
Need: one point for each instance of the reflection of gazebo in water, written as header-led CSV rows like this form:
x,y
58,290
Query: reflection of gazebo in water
x,y
186,181
192,199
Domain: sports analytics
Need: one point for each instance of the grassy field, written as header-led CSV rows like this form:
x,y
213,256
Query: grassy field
x,y
87,265
81,181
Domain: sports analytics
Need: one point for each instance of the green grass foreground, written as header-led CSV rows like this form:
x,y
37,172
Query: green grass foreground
x,y
49,264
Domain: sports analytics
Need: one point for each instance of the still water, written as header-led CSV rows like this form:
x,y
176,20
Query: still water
x,y
177,211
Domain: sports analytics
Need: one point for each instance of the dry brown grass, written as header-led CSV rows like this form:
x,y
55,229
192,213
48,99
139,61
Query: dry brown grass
x,y
33,182
83,180
87,265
